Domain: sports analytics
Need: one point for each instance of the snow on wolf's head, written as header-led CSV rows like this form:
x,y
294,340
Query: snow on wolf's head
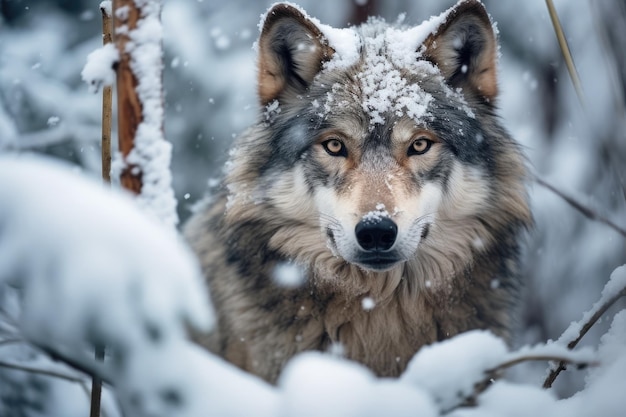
x,y
382,139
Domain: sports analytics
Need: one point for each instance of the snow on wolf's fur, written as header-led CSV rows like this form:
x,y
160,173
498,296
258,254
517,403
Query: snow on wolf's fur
x,y
386,49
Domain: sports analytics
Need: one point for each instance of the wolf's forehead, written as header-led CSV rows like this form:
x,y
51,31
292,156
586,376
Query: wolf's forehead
x,y
386,79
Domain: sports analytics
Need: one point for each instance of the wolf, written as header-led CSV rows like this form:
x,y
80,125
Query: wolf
x,y
377,205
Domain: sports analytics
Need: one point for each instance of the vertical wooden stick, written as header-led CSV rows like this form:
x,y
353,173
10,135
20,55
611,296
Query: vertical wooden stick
x,y
107,110
107,103
129,110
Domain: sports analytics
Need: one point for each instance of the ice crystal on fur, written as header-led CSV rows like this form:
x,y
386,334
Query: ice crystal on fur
x,y
272,110
376,215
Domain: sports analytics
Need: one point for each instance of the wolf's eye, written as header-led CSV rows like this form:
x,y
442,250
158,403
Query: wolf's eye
x,y
420,146
335,147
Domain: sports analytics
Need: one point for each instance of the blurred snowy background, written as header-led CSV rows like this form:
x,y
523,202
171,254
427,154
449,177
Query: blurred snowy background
x,y
209,78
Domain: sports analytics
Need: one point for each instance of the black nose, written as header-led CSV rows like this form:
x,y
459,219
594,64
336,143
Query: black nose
x,y
376,235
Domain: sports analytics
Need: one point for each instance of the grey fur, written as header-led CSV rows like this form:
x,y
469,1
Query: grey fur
x,y
457,267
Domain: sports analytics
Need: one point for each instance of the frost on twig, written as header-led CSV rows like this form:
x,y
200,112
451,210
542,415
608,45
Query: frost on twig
x,y
613,291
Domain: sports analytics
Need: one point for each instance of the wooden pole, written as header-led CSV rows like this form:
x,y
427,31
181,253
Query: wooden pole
x,y
107,103
129,110
107,110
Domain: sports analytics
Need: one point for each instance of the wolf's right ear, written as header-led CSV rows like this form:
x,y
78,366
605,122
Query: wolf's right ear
x,y
292,50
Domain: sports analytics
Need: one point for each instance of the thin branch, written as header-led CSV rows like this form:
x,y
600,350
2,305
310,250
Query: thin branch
x,y
47,372
583,331
586,211
493,373
40,371
96,387
543,358
569,61
78,132
92,369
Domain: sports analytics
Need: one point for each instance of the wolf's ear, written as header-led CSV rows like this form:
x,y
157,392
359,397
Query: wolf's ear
x,y
292,50
464,48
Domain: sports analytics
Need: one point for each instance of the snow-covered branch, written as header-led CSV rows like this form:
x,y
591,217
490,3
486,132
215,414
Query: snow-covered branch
x,y
613,291
146,153
92,269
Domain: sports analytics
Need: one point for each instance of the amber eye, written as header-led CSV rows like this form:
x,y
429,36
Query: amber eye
x,y
420,146
335,147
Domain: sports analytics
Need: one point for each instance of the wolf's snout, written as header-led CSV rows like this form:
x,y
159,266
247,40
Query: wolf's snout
x,y
376,235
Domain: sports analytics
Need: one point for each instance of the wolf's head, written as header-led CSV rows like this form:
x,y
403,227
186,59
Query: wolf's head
x,y
382,139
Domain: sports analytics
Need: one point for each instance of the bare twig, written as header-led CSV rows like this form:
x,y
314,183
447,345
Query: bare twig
x,y
569,61
39,371
87,392
583,331
46,372
591,214
89,368
96,387
495,372
79,132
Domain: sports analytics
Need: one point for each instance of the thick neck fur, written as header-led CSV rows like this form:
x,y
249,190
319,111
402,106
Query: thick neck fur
x,y
447,288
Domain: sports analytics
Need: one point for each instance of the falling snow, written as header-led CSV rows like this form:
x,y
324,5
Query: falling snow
x,y
368,303
289,275
317,384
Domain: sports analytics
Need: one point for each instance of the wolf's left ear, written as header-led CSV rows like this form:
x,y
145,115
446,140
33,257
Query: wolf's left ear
x,y
464,48
292,51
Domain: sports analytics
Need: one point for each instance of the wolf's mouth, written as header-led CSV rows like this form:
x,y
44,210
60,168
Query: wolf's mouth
x,y
378,262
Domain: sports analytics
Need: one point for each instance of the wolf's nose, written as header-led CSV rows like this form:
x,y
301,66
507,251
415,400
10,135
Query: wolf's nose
x,y
376,235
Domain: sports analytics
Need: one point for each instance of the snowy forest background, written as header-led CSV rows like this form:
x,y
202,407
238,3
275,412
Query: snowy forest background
x,y
210,96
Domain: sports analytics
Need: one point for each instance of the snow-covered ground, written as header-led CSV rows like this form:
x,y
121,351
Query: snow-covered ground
x,y
88,265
